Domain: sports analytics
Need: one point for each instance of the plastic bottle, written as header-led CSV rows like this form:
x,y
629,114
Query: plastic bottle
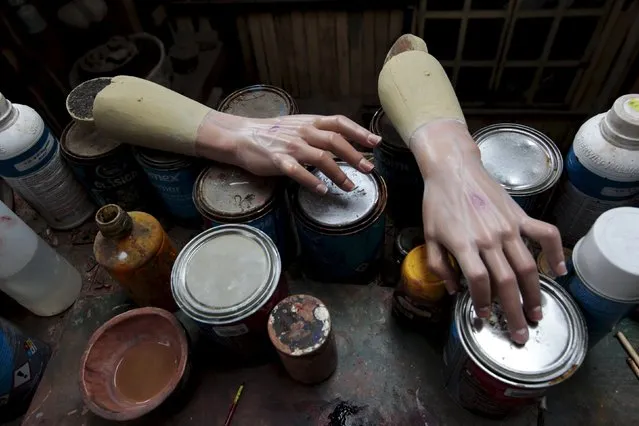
x,y
602,168
137,253
31,272
30,163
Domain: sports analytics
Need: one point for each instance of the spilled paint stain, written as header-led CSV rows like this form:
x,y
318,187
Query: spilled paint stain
x,y
342,413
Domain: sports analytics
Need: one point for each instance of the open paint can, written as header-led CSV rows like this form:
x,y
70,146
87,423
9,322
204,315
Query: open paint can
x,y
489,375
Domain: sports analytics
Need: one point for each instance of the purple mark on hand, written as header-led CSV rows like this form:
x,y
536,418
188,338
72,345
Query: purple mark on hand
x,y
477,201
274,129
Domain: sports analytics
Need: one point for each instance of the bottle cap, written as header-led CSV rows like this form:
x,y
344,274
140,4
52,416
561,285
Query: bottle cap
x,y
621,123
5,107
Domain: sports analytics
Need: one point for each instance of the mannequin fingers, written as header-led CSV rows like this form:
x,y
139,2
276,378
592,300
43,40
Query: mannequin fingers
x,y
525,268
288,166
333,142
437,258
323,161
348,128
478,279
548,236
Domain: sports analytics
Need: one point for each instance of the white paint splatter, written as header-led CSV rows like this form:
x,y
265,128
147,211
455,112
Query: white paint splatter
x,y
122,256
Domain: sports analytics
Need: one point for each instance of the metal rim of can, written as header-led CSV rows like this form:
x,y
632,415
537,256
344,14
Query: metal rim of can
x,y
202,313
198,200
81,158
543,266
415,233
288,99
588,286
165,161
363,223
574,355
376,128
547,144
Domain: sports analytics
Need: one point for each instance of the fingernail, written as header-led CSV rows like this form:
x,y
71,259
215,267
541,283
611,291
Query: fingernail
x,y
374,139
561,269
452,292
483,312
348,185
520,336
365,165
321,188
536,314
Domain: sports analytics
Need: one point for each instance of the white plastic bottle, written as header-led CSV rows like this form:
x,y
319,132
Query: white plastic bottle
x,y
31,272
31,164
602,168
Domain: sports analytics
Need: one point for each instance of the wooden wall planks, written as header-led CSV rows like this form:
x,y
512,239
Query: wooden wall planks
x,y
319,53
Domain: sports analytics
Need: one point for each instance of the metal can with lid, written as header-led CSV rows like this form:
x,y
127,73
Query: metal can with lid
x,y
524,161
421,299
489,375
173,177
300,329
406,240
227,279
341,233
397,165
105,167
226,194
259,101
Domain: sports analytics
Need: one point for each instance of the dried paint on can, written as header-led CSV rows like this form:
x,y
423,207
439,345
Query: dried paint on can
x,y
524,161
173,177
300,329
227,279
341,233
489,375
225,194
259,101
397,165
105,167
421,299
544,268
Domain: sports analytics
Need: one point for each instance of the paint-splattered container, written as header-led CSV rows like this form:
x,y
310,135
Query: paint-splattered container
x,y
524,161
489,375
544,268
259,101
225,194
421,299
105,167
227,279
300,329
397,165
341,234
173,177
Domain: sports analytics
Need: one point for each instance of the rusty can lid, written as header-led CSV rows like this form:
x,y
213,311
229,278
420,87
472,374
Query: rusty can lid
x,y
556,348
299,325
338,208
225,274
223,190
259,101
84,140
382,126
523,160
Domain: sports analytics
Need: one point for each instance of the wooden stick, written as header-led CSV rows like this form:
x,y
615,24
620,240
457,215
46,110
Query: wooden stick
x,y
628,347
633,366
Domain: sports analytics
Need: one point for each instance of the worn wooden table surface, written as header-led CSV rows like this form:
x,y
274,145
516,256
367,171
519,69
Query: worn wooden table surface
x,y
387,374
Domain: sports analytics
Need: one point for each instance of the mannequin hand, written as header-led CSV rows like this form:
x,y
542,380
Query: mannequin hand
x,y
280,146
469,214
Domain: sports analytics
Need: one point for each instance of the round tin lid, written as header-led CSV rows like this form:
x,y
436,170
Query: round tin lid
x,y
225,273
408,239
160,158
339,208
520,158
556,348
299,325
259,101
382,126
227,190
84,140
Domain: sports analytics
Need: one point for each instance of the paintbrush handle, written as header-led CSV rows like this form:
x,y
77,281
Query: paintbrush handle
x,y
628,347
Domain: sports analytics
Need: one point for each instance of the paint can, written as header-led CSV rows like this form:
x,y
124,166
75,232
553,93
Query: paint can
x,y
606,279
225,194
523,160
300,328
341,234
544,268
397,165
421,300
22,363
227,279
489,375
173,177
259,101
105,167
406,240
